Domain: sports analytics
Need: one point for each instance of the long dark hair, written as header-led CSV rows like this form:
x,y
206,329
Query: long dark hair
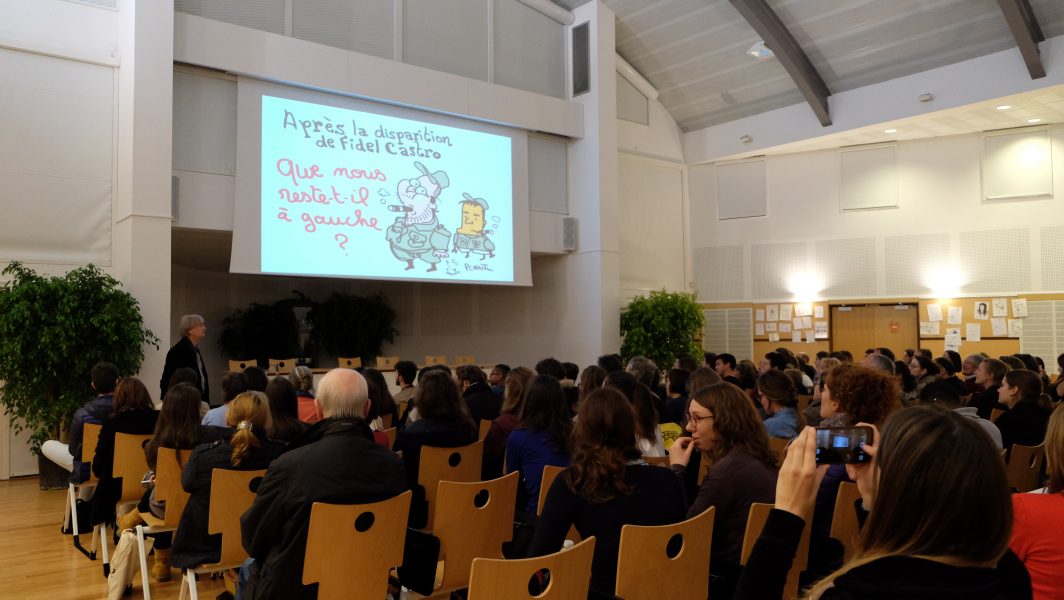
x,y
779,388
284,410
546,410
131,394
1030,386
178,424
386,404
646,416
603,443
437,398
736,423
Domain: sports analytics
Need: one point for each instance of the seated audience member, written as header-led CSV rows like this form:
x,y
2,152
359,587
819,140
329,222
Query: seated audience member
x,y
969,365
611,362
233,384
726,367
925,352
373,419
243,447
555,368
780,401
648,373
483,405
724,425
648,435
945,395
688,363
103,378
541,437
747,375
886,352
334,461
879,362
1037,534
676,390
924,370
1025,421
284,424
517,381
443,422
591,379
1056,390
1013,362
302,379
954,358
497,378
606,488
257,379
1042,374
134,413
915,542
700,378
385,403
799,379
1029,363
812,412
989,375
948,374
411,415
186,375
805,367
772,360
572,373
904,377
178,427
709,360
405,376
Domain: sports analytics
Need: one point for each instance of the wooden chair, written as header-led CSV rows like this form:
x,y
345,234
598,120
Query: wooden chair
x,y
90,435
665,561
703,468
1025,466
386,363
238,366
550,473
349,363
569,571
966,399
485,427
351,548
401,406
391,432
168,466
232,493
995,413
804,400
386,421
282,366
130,465
754,525
779,448
437,359
448,464
464,359
472,520
844,525
658,461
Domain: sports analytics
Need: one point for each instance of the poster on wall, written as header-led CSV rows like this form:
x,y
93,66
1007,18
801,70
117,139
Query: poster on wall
x,y
759,329
934,312
772,312
1019,307
981,310
954,315
1015,328
785,312
821,329
998,328
759,314
929,328
1000,307
974,332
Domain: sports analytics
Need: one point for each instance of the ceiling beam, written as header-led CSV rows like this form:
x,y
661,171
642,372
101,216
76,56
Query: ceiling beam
x,y
765,22
1028,34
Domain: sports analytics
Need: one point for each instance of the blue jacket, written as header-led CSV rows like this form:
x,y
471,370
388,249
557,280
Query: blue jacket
x,y
95,411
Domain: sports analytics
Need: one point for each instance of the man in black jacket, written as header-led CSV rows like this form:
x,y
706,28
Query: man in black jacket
x,y
335,461
185,353
480,400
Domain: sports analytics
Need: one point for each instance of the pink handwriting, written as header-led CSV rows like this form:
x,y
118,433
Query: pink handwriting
x,y
313,221
288,168
375,175
317,195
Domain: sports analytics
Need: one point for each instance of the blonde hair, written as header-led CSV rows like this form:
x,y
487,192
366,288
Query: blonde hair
x,y
302,378
248,410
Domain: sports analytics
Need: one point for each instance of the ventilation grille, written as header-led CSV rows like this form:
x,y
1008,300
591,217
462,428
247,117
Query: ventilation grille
x,y
1041,335
772,265
996,261
729,330
265,15
719,273
907,258
364,27
1052,259
848,266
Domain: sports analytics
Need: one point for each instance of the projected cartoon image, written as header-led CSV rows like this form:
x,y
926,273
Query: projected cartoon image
x,y
419,235
471,237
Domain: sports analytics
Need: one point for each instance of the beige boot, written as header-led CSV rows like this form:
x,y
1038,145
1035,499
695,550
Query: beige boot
x,y
129,520
160,570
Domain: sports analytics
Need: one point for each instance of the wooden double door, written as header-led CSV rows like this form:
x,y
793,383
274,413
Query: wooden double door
x,y
858,327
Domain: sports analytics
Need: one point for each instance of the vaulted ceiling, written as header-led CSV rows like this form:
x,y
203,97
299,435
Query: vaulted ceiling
x,y
694,51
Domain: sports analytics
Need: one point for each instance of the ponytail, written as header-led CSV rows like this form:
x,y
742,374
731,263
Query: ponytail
x,y
247,412
243,442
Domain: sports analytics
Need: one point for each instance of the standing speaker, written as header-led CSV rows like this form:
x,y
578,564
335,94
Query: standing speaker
x,y
568,234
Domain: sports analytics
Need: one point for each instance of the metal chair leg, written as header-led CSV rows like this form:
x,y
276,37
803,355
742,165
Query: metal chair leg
x,y
102,530
190,575
143,562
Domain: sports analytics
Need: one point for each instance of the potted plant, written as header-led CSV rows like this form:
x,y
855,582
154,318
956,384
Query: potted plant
x,y
261,332
349,325
52,331
661,327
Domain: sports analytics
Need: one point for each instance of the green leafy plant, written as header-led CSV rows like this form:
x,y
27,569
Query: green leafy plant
x,y
52,331
261,332
350,325
661,327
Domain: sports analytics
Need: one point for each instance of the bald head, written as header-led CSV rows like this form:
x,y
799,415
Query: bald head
x,y
343,393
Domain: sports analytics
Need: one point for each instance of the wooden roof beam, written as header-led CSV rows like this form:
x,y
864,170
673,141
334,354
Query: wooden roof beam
x,y
1028,34
776,36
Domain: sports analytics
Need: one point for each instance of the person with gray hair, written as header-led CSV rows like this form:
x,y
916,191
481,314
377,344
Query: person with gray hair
x,y
644,369
185,353
879,362
335,460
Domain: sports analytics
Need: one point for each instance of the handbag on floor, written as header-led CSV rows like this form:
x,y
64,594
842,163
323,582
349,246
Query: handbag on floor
x,y
124,564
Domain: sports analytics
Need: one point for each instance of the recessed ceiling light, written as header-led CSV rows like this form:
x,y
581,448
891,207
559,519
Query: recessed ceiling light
x,y
1034,120
1004,107
890,130
760,51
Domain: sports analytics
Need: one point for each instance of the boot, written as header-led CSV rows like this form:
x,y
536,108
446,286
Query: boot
x,y
160,569
129,520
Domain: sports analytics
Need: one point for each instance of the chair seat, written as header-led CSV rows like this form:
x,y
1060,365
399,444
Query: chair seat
x,y
151,520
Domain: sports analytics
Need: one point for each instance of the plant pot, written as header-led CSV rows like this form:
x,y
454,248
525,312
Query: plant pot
x,y
51,476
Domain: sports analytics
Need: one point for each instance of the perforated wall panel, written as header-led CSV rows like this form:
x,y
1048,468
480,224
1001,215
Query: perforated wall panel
x,y
446,309
996,261
503,310
1052,259
719,273
848,267
364,26
907,256
265,15
771,265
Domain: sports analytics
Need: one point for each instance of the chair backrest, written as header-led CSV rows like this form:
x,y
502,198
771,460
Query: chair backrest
x,y
386,421
844,525
435,359
475,519
549,473
238,366
391,432
485,427
703,467
568,572
665,561
804,400
464,359
1025,466
448,464
352,547
352,362
778,446
90,437
130,464
966,399
386,363
658,461
995,413
282,366
232,493
754,525
168,466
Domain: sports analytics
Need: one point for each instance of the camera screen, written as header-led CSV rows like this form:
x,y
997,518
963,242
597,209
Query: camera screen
x,y
836,445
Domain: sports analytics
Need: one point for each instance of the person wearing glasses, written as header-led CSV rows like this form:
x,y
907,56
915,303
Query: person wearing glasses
x,y
725,427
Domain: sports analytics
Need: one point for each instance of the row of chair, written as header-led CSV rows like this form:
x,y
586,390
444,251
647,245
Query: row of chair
x,y
283,366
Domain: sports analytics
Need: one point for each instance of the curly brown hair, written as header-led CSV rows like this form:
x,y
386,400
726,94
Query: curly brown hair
x,y
737,424
865,395
603,443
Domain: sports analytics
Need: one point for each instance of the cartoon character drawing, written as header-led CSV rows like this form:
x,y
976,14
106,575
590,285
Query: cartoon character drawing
x,y
470,237
418,234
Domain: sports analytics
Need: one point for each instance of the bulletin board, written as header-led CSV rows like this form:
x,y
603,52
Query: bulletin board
x,y
970,325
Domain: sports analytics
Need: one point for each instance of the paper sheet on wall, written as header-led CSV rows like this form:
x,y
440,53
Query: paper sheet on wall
x,y
998,328
773,337
759,314
1019,307
807,322
759,329
974,332
818,312
934,312
772,312
954,315
785,312
1000,307
796,337
809,337
770,326
929,328
785,327
981,310
803,310
953,341
821,328
1015,328
796,323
